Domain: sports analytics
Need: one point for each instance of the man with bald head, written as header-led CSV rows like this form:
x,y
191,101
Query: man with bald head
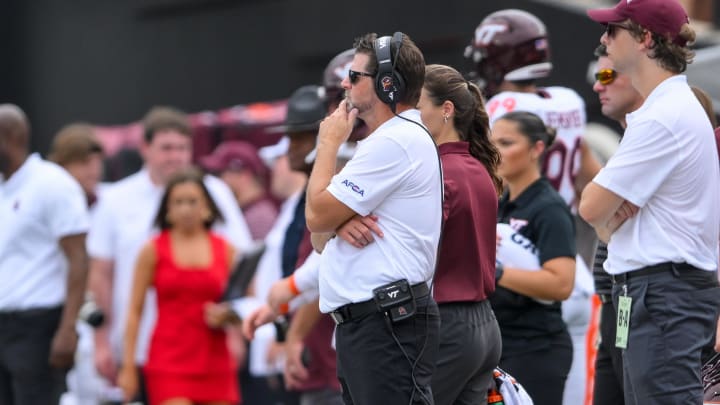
x,y
43,267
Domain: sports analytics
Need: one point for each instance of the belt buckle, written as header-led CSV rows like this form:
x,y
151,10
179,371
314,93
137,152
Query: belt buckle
x,y
337,317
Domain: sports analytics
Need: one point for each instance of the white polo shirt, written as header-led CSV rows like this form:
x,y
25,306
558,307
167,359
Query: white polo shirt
x,y
666,165
395,174
39,204
123,222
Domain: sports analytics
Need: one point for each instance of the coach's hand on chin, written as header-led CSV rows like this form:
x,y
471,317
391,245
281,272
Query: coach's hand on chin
x,y
335,129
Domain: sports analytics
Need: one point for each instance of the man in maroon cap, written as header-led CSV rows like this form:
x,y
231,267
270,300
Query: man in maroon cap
x,y
656,204
240,167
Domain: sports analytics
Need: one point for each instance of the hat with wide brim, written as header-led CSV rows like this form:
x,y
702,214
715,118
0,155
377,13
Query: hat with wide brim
x,y
269,153
306,108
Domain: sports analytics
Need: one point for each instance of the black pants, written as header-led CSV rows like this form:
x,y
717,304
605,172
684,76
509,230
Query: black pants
x,y
470,348
673,315
373,369
542,372
26,377
608,385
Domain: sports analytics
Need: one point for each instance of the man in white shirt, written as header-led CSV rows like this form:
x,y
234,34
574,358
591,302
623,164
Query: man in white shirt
x,y
43,268
395,175
656,202
123,220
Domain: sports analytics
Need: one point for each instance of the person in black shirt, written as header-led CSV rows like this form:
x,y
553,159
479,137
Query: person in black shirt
x,y
537,349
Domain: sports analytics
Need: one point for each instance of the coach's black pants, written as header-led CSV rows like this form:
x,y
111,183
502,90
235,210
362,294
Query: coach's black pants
x,y
26,377
373,369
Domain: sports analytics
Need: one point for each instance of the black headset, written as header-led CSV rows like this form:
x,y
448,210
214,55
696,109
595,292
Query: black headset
x,y
389,84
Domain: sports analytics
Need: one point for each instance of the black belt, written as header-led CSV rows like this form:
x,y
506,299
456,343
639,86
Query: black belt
x,y
29,313
349,312
650,270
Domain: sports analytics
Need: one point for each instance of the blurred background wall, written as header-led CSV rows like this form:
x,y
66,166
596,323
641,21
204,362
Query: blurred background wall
x,y
109,61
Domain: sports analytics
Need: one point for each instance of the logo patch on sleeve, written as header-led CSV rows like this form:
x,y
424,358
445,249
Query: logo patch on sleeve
x,y
354,187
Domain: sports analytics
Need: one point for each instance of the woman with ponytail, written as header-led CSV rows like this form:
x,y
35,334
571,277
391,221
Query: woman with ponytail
x,y
470,345
537,349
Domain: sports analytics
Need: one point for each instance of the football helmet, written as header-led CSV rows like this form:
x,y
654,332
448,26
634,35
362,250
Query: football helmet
x,y
335,72
508,45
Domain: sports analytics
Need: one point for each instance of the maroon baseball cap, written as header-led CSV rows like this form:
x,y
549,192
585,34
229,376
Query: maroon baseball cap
x,y
235,156
663,17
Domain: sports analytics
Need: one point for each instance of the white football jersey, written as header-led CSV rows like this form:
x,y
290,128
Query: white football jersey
x,y
560,108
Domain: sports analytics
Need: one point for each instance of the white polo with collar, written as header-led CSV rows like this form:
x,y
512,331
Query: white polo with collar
x,y
39,205
395,174
667,166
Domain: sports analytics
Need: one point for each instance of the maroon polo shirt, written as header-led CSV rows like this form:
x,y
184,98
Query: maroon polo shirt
x,y
466,265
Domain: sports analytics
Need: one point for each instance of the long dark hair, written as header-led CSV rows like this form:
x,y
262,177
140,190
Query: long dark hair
x,y
190,175
470,119
533,128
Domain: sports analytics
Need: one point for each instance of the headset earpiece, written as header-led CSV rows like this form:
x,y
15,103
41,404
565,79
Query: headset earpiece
x,y
389,84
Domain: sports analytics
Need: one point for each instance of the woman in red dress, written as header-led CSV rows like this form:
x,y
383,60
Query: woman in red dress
x,y
188,265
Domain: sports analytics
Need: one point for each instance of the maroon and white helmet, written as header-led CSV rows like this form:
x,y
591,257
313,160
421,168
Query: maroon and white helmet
x,y
335,72
509,45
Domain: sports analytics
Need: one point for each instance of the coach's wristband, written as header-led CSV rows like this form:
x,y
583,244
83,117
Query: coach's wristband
x,y
292,285
499,270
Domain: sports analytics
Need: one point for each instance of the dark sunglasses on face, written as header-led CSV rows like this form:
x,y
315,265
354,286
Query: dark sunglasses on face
x,y
612,29
354,76
605,76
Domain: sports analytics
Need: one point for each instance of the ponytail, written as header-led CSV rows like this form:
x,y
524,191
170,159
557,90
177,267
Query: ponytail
x,y
470,118
481,148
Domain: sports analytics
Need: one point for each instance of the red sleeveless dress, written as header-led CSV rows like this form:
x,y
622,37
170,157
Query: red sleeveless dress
x,y
187,358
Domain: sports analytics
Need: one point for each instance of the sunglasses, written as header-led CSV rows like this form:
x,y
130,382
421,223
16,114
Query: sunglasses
x,y
354,76
605,76
612,29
